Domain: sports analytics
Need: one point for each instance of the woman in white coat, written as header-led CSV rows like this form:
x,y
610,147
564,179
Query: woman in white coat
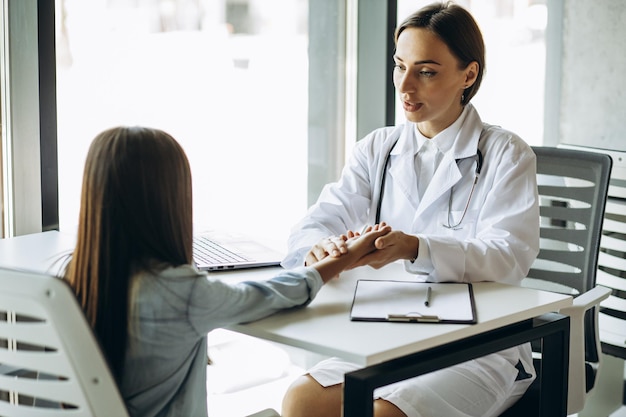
x,y
461,198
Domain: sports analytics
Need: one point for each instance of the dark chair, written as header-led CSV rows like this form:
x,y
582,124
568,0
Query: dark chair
x,y
573,188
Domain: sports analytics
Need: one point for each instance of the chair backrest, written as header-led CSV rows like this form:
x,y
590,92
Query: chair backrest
x,y
573,187
612,271
50,361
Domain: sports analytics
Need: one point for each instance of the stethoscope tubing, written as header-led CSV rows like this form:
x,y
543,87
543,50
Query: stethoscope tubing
x,y
479,166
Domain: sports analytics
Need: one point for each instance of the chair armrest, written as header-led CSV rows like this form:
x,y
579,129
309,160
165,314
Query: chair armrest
x,y
576,385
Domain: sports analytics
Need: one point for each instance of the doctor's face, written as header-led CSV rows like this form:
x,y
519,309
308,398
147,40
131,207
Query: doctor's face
x,y
429,81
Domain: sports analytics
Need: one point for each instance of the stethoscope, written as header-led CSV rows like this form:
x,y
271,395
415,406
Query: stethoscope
x,y
457,226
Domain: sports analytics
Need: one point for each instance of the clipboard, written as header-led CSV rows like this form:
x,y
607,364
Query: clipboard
x,y
404,301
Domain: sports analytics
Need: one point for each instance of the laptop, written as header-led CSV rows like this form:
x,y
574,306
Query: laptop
x,y
220,251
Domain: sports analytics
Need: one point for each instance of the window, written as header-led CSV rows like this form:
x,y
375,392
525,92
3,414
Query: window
x,y
118,60
228,79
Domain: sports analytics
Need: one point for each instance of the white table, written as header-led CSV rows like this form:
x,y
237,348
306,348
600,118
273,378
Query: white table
x,y
323,325
41,252
507,316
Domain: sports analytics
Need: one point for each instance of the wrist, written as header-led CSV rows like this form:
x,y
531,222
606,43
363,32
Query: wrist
x,y
413,248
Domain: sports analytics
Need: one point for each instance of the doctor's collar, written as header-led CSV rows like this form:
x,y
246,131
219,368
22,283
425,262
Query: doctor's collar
x,y
443,140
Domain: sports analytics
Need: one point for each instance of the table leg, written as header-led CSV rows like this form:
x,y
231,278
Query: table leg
x,y
553,328
554,374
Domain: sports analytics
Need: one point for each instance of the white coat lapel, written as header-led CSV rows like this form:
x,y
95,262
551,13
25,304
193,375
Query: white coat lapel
x,y
448,174
402,172
445,177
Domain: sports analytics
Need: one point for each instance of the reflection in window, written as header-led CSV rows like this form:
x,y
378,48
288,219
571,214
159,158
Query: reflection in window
x,y
227,78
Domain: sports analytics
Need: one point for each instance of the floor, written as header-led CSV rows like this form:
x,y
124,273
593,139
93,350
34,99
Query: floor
x,y
247,375
251,400
606,395
619,413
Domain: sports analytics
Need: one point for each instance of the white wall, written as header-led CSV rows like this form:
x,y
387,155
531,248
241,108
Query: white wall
x,y
593,82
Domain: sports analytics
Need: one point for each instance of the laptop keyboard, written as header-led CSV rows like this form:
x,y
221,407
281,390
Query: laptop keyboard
x,y
209,252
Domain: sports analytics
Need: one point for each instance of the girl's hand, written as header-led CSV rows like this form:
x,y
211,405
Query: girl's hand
x,y
333,246
357,247
362,245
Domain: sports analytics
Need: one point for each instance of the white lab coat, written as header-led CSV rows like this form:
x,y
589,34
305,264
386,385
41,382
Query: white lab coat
x,y
499,236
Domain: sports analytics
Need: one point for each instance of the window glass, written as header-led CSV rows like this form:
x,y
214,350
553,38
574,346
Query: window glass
x,y
227,78
512,91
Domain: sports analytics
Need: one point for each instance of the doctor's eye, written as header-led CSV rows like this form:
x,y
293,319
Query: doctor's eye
x,y
427,74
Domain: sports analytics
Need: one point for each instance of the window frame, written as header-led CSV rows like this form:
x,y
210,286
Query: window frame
x,y
28,94
375,93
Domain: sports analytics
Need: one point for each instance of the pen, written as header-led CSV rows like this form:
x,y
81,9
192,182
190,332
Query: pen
x,y
428,294
364,228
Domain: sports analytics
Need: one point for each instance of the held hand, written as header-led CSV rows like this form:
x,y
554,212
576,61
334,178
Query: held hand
x,y
391,247
330,246
357,247
363,244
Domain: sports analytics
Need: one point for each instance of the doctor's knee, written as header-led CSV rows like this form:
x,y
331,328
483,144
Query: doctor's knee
x,y
307,398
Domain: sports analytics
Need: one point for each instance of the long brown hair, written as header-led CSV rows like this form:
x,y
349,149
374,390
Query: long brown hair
x,y
456,27
136,212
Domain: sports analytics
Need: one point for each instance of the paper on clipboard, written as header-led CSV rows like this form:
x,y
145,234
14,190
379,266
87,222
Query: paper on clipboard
x,y
403,301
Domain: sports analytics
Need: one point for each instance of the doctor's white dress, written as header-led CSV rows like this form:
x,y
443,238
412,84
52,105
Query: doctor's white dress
x,y
496,239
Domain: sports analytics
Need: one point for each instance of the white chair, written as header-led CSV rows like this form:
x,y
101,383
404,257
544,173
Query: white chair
x,y
51,363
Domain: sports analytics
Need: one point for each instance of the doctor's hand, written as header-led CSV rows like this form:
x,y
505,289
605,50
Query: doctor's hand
x,y
391,247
